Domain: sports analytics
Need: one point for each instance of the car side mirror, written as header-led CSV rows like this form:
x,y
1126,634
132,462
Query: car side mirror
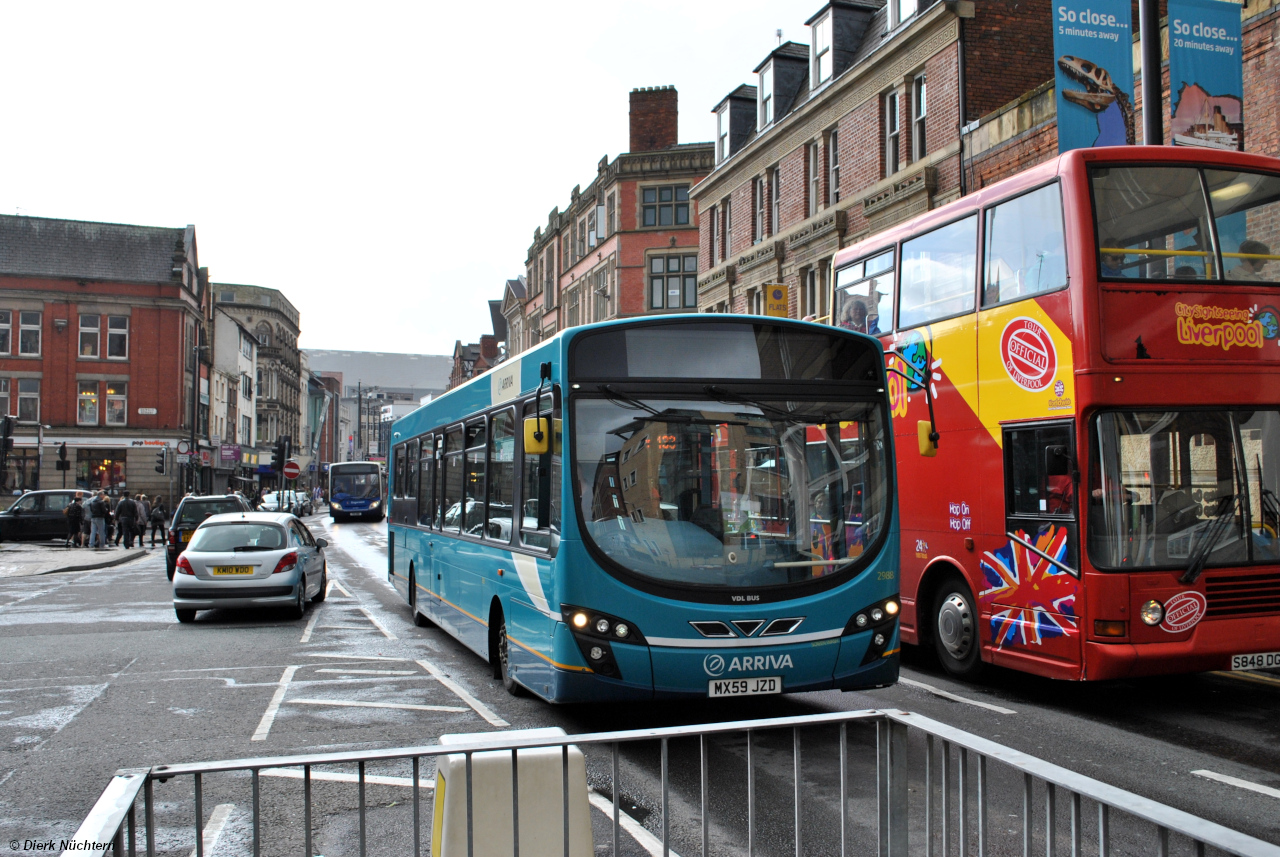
x,y
321,543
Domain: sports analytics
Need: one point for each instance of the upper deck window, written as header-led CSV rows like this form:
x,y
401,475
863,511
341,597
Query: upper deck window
x,y
1025,252
864,295
938,273
1155,223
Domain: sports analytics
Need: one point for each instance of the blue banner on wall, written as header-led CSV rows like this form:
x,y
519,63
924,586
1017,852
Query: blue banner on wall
x,y
1206,74
1093,44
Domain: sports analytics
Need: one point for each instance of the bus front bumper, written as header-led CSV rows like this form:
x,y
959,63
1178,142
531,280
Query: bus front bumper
x,y
1210,647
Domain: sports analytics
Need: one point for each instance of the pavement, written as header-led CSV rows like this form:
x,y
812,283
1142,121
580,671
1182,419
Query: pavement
x,y
24,559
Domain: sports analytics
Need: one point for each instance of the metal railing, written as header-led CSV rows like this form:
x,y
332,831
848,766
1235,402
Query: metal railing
x,y
947,798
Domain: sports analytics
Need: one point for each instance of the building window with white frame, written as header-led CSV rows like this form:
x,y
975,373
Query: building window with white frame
x,y
833,166
757,203
6,332
87,403
117,403
821,55
90,333
713,232
775,200
722,134
29,326
902,10
766,95
573,309
919,111
609,211
756,301
117,337
815,178
892,133
4,398
673,281
726,227
29,399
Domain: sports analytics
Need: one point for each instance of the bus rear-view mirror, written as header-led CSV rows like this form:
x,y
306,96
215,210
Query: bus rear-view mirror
x,y
924,430
537,435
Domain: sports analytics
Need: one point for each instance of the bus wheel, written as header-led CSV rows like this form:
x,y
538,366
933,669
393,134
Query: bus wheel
x,y
418,619
504,663
955,630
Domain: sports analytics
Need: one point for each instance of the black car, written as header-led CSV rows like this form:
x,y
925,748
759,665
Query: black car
x,y
191,513
38,515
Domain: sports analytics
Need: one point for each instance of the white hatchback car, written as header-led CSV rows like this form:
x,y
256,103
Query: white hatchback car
x,y
250,559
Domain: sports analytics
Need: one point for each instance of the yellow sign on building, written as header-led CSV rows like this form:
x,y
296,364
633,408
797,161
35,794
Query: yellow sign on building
x,y
775,300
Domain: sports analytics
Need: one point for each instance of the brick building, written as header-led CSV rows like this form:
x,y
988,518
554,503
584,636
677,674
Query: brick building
x,y
232,422
856,131
99,328
626,245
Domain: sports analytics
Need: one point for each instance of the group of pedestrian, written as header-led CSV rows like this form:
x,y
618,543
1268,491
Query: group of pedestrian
x,y
100,521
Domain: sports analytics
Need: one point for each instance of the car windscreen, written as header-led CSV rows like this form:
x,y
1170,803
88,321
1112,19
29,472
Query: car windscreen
x,y
192,514
237,534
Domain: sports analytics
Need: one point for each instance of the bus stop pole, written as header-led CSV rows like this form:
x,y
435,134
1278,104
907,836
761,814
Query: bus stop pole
x,y
1152,75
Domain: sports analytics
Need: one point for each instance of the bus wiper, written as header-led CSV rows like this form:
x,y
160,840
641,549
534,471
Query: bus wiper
x,y
1218,526
627,401
722,395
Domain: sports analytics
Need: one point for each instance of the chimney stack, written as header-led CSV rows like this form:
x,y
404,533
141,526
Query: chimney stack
x,y
654,117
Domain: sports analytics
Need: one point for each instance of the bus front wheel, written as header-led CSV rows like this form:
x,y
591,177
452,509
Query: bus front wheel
x,y
504,662
955,629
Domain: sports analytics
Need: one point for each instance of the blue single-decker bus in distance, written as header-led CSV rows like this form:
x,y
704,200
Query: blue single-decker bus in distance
x,y
356,491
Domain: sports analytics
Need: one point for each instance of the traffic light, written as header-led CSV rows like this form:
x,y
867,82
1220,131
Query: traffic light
x,y
162,460
281,453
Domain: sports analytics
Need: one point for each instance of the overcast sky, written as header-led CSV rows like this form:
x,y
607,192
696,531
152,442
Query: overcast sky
x,y
384,165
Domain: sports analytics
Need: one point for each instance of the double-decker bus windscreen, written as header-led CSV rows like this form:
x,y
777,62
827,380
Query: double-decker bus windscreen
x,y
730,494
1177,489
361,482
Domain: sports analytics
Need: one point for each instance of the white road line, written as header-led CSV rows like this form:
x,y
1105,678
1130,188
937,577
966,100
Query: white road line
x,y
353,657
311,626
343,703
344,627
643,838
341,588
478,706
213,830
369,672
937,691
1238,783
269,716
334,777
377,624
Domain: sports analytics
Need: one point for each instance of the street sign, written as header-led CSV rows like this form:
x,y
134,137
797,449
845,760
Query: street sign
x,y
291,470
183,457
147,412
183,447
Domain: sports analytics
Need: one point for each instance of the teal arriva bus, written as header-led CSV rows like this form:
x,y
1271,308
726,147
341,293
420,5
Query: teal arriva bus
x,y
684,507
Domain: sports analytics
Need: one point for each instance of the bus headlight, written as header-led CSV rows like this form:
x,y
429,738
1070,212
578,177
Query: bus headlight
x,y
602,626
580,620
1152,613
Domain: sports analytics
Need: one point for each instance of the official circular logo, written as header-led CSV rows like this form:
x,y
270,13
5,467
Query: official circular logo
x,y
1183,611
713,664
1028,354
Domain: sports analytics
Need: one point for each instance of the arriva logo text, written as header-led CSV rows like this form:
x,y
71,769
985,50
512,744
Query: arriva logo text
x,y
714,665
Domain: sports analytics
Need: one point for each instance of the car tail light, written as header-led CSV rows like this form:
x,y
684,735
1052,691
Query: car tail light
x,y
184,566
286,562
173,537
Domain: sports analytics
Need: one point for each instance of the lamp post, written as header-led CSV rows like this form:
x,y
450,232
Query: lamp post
x,y
195,410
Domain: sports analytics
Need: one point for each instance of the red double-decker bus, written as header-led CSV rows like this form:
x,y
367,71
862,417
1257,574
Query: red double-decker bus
x,y
1087,396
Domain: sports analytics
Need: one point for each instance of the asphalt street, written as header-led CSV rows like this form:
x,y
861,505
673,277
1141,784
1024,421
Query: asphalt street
x,y
96,675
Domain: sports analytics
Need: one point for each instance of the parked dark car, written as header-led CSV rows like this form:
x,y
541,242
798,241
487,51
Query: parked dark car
x,y
38,515
191,513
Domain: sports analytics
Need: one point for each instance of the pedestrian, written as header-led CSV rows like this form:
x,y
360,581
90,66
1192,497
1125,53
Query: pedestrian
x,y
98,512
75,517
144,516
127,520
159,516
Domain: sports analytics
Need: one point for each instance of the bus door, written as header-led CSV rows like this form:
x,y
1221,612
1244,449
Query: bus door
x,y
1031,583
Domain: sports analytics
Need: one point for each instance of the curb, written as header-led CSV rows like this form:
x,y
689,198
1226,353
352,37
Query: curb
x,y
119,560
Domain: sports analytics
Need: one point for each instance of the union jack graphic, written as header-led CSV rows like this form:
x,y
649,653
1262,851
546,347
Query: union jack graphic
x,y
1032,599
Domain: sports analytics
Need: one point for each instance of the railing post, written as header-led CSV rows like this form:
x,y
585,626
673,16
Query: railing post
x,y
149,810
706,821
306,809
1050,819
844,791
199,816
751,800
891,741
982,806
928,795
963,801
1104,830
795,744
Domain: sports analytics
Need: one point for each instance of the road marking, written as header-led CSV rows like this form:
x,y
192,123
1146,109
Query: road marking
x,y
213,830
1238,783
344,627
370,672
353,657
341,588
643,838
937,691
343,703
478,706
311,626
1248,676
377,624
269,716
334,777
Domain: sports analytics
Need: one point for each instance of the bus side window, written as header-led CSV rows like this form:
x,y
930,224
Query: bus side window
x,y
540,490
1025,252
452,497
938,273
410,490
399,471
502,447
428,508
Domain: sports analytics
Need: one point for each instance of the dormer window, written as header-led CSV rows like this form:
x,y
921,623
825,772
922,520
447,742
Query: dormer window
x,y
722,133
766,95
820,58
902,10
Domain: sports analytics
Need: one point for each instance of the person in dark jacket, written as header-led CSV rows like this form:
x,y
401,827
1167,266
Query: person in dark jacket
x,y
98,514
126,520
159,515
75,517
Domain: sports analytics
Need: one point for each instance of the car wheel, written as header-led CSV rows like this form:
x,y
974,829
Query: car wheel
x,y
185,616
324,587
504,663
955,630
170,568
300,605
